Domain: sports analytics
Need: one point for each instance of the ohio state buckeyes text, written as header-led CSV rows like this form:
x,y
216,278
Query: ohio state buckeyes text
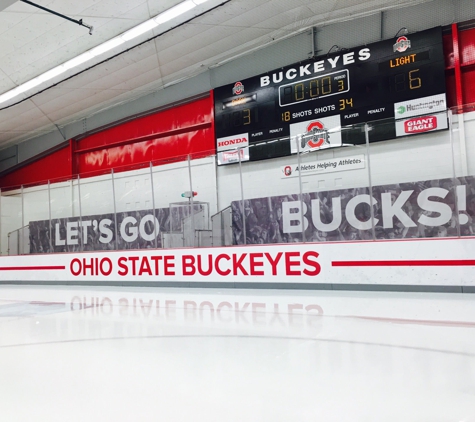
x,y
253,264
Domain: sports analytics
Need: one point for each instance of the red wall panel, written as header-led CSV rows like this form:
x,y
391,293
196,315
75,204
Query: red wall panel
x,y
467,63
467,50
460,64
169,135
54,167
468,81
186,115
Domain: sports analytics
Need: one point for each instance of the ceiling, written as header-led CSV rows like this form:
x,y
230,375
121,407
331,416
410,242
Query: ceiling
x,y
33,41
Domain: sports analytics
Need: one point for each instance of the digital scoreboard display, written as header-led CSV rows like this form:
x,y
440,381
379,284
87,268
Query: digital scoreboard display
x,y
397,86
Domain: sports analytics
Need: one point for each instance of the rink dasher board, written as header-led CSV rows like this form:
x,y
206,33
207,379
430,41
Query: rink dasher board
x,y
429,262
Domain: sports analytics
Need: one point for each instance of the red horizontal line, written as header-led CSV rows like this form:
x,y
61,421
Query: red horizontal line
x,y
41,303
416,263
419,321
52,267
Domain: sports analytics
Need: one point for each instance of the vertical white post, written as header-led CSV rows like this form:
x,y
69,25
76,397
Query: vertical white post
x,y
191,203
20,240
153,204
115,212
49,215
370,183
300,190
243,212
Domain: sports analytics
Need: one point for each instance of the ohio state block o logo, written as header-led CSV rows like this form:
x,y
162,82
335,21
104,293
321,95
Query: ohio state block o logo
x,y
316,131
402,44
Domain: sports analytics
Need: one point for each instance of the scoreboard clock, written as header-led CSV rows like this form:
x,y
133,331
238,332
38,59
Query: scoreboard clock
x,y
396,85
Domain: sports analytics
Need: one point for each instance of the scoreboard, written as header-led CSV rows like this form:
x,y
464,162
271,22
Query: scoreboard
x,y
396,85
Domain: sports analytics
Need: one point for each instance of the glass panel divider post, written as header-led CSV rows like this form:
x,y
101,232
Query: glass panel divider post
x,y
20,232
115,211
370,183
243,212
300,192
1,222
454,183
49,216
153,206
192,208
81,240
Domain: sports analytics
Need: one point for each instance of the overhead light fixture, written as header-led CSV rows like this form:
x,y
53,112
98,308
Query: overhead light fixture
x,y
109,45
174,12
50,74
139,30
29,85
82,58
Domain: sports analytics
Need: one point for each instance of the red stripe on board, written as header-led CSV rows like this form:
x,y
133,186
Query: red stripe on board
x,y
58,267
419,263
418,321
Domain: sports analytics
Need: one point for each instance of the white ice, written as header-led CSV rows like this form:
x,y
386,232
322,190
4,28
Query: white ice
x,y
139,354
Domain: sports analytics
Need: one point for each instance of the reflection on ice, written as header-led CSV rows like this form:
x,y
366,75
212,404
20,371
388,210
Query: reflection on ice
x,y
184,354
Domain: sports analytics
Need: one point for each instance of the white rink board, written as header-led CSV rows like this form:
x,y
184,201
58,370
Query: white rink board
x,y
434,262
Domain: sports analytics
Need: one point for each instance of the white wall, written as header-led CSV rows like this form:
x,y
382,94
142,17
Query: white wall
x,y
133,191
10,208
408,159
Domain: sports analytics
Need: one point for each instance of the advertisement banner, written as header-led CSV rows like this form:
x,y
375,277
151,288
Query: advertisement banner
x,y
424,209
232,142
126,230
427,262
422,124
233,156
420,106
323,166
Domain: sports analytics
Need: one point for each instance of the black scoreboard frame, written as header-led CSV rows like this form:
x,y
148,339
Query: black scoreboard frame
x,y
342,90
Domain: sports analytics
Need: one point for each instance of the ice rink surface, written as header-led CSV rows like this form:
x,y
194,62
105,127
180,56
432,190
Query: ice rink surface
x,y
137,354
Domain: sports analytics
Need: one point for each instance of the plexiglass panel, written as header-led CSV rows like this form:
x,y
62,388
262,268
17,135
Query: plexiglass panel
x,y
12,221
198,231
462,131
138,226
274,206
413,180
170,179
65,217
229,226
37,219
335,185
419,170
97,222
